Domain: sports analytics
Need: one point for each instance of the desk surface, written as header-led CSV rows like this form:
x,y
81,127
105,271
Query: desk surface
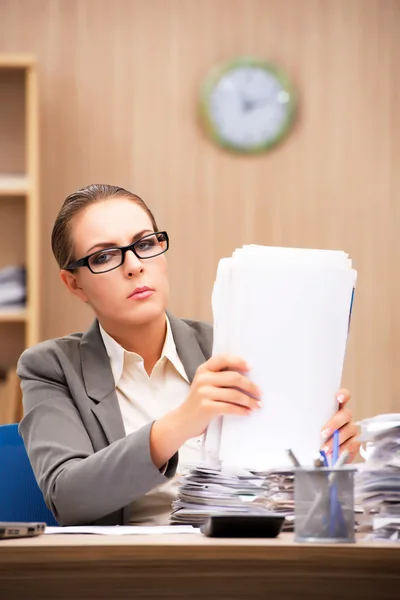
x,y
186,546
193,566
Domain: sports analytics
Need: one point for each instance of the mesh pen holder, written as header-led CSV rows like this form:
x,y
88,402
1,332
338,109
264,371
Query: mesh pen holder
x,y
324,505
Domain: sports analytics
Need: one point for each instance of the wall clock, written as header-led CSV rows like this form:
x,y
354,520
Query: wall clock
x,y
247,105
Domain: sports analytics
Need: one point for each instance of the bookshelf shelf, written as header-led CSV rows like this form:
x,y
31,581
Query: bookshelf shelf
x,y
13,315
17,61
14,185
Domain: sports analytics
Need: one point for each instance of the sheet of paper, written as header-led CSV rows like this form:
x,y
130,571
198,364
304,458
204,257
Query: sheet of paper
x,y
123,530
286,312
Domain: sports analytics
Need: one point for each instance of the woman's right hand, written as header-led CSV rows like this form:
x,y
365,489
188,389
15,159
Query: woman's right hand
x,y
218,388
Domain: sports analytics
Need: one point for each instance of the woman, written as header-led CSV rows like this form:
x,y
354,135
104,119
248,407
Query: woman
x,y
106,411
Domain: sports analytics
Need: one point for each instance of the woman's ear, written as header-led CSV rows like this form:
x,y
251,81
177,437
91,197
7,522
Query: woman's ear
x,y
71,281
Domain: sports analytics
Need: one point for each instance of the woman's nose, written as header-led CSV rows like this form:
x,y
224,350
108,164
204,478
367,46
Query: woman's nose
x,y
132,264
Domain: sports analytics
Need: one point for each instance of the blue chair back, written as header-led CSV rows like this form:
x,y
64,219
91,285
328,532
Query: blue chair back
x,y
20,496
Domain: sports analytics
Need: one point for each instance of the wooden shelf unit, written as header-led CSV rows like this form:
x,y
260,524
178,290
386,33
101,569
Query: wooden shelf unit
x,y
19,199
13,315
14,185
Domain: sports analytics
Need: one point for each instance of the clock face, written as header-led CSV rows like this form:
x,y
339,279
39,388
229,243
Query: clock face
x,y
247,105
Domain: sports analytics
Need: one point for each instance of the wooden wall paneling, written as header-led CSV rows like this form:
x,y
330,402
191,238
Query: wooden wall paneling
x,y
119,88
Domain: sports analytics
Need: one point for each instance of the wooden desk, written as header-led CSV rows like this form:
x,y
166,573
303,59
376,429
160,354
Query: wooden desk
x,y
186,566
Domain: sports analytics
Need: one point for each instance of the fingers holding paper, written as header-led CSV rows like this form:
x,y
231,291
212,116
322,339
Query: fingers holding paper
x,y
219,387
342,421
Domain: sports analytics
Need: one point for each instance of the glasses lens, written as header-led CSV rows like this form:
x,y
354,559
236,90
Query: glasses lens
x,y
151,245
105,260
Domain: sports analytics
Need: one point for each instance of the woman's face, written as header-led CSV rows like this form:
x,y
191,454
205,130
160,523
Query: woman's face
x,y
110,223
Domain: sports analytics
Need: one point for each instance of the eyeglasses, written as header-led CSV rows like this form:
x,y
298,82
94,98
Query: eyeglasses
x,y
108,259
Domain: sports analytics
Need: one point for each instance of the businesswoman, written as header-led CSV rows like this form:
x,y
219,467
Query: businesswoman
x,y
106,411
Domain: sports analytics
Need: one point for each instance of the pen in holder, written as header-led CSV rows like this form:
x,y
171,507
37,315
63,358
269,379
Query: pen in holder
x,y
334,507
324,505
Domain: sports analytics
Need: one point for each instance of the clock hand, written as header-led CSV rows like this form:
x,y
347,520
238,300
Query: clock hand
x,y
249,105
245,104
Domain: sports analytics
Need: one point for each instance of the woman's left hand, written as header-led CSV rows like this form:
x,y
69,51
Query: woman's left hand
x,y
348,432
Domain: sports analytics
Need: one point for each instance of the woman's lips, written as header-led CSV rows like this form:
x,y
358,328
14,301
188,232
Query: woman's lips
x,y
141,293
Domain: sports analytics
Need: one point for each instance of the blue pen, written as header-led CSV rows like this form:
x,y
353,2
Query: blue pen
x,y
333,494
335,508
324,458
335,448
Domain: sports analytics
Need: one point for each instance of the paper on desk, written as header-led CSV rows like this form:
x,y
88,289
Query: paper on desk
x,y
204,491
123,530
286,312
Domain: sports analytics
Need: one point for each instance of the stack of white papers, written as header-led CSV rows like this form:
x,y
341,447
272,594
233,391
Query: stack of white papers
x,y
378,482
286,312
205,491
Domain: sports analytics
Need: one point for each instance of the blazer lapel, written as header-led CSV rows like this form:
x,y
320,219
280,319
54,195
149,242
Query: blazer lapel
x,y
187,346
99,380
99,383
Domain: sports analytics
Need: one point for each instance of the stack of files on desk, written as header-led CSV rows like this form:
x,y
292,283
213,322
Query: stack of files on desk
x,y
12,287
279,493
205,491
378,482
386,528
286,312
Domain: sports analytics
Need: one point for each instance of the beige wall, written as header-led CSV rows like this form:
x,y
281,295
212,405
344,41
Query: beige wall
x,y
119,83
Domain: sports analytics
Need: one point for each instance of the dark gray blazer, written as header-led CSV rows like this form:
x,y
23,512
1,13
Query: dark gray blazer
x,y
87,468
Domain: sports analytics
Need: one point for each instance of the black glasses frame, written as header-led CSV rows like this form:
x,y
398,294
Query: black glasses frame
x,y
84,262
